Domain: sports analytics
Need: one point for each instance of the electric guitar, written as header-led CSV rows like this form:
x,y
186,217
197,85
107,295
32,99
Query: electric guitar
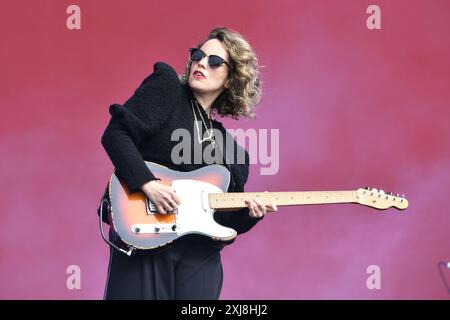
x,y
134,218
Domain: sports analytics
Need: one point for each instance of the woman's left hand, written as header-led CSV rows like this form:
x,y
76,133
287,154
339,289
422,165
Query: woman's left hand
x,y
258,209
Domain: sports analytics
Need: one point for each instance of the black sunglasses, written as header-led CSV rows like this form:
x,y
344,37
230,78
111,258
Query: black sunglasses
x,y
213,60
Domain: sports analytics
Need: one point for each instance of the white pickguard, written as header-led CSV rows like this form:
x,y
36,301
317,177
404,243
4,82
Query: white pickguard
x,y
194,214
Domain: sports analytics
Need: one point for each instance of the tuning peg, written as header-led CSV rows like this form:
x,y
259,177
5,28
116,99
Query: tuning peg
x,y
403,195
367,188
397,195
389,193
381,191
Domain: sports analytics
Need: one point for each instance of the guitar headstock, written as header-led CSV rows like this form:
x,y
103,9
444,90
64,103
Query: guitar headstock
x,y
378,199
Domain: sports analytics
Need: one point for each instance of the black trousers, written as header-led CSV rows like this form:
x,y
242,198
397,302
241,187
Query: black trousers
x,y
187,270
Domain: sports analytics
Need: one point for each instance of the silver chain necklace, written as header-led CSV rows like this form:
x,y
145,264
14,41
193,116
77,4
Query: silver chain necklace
x,y
210,131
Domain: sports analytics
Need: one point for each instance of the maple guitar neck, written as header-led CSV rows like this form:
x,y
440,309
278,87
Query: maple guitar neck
x,y
233,200
374,198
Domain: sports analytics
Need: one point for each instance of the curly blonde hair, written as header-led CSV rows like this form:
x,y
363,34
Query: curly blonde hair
x,y
244,90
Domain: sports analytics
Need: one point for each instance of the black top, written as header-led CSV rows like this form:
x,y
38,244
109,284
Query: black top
x,y
141,129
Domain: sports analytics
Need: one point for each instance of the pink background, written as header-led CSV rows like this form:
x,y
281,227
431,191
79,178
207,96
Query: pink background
x,y
354,108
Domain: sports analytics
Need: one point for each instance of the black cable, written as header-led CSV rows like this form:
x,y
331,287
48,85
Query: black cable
x,y
129,252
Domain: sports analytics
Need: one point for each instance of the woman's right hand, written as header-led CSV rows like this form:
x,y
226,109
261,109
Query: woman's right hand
x,y
163,197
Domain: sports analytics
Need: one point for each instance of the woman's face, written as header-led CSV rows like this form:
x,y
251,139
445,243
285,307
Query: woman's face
x,y
214,80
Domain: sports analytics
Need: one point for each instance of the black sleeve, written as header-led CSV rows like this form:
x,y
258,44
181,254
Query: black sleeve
x,y
141,116
239,220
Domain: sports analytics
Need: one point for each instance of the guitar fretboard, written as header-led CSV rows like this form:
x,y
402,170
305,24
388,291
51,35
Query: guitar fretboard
x,y
237,199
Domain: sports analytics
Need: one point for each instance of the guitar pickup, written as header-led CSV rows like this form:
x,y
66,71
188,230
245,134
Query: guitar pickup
x,y
151,208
